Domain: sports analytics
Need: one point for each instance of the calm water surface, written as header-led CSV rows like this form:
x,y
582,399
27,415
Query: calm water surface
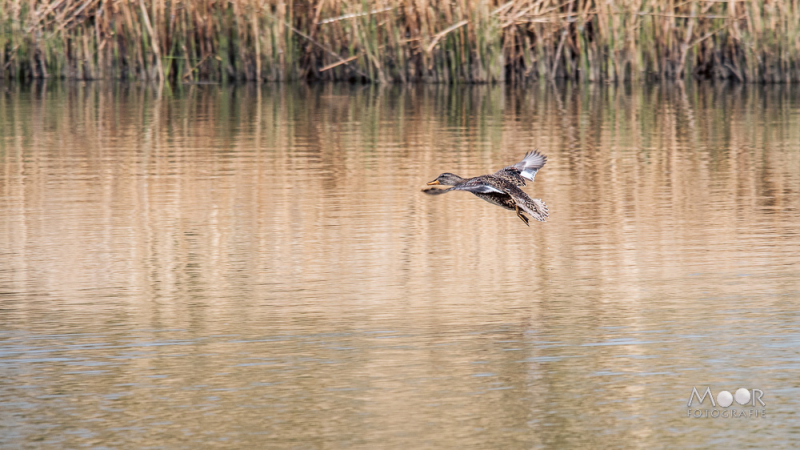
x,y
244,267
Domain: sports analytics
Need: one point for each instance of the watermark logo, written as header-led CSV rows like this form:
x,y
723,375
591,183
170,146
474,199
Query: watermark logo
x,y
751,404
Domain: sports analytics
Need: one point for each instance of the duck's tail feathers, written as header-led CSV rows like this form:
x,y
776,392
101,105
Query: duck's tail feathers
x,y
435,191
536,208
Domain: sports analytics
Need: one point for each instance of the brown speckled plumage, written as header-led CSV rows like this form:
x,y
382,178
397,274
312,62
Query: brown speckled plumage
x,y
502,188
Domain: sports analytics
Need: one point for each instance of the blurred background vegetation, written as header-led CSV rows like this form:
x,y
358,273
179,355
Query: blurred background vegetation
x,y
400,40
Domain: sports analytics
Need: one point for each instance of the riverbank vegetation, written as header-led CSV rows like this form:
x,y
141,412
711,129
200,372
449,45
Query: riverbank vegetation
x,y
401,40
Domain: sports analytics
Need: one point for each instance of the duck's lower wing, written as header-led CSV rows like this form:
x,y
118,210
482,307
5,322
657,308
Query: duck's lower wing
x,y
487,192
434,191
479,187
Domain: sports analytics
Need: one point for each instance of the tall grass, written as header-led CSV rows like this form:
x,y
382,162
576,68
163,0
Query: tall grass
x,y
400,40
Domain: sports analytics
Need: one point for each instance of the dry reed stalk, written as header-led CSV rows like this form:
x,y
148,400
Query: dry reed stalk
x,y
153,40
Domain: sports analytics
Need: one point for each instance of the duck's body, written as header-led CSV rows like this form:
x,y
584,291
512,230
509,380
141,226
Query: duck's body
x,y
503,187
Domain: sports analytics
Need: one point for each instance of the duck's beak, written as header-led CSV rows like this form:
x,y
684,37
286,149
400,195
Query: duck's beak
x,y
434,182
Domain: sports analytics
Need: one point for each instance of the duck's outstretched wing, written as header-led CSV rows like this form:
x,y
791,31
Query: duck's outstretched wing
x,y
480,189
436,191
525,169
484,184
474,189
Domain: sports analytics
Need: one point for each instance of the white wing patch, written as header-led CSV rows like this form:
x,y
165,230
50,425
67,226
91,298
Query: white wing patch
x,y
485,189
530,164
529,173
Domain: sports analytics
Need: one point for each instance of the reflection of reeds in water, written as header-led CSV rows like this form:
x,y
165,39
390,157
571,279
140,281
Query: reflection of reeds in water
x,y
429,40
298,181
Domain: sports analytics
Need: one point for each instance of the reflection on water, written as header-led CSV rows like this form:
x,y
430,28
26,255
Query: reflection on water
x,y
259,267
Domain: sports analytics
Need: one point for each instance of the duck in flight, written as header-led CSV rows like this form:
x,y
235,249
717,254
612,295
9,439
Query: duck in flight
x,y
501,188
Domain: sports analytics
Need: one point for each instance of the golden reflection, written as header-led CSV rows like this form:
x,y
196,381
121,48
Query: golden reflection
x,y
259,262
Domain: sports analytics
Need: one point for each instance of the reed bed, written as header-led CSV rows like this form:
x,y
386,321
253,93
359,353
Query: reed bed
x,y
401,40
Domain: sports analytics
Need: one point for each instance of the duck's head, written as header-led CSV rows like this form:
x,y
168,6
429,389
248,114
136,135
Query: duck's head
x,y
447,179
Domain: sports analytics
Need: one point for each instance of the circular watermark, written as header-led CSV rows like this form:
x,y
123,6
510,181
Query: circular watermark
x,y
724,399
742,396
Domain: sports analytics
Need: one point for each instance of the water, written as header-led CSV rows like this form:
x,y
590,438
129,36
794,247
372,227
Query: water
x,y
244,267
